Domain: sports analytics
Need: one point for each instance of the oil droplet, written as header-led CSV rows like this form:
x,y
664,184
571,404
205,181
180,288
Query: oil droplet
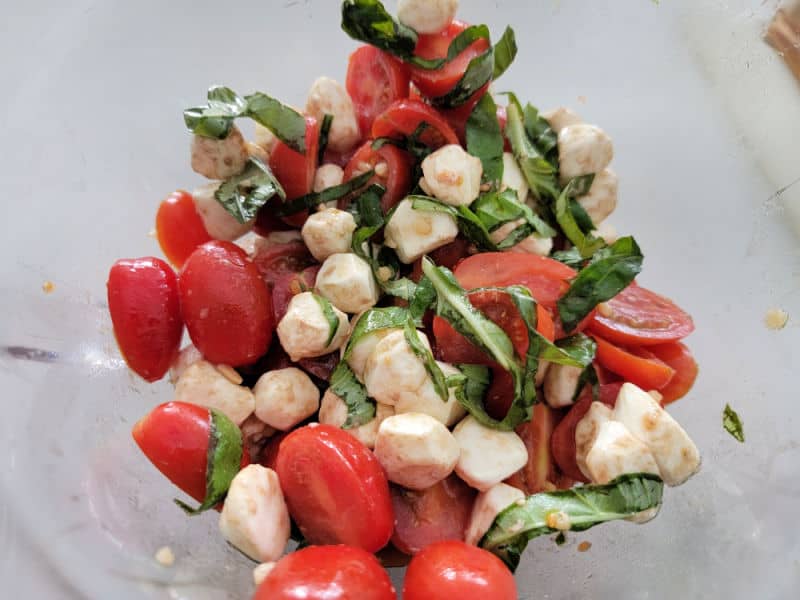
x,y
48,287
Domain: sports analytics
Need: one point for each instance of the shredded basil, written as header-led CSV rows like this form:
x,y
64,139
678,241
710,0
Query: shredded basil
x,y
330,316
423,299
418,348
542,136
469,224
243,194
485,139
375,319
330,194
541,175
586,244
505,51
360,409
495,209
571,258
324,133
479,72
733,423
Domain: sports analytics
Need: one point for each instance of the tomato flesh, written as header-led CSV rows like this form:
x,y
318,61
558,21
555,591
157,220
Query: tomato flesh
x,y
680,358
402,118
374,80
179,227
295,170
640,368
275,261
536,433
288,286
397,179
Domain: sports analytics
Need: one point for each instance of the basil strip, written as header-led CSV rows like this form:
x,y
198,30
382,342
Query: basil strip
x,y
498,208
468,223
243,194
324,133
505,51
485,139
375,319
330,316
733,423
360,409
586,244
571,258
539,173
223,461
418,348
479,72
526,305
581,217
610,271
330,194
544,139
575,351
288,125
423,299
581,507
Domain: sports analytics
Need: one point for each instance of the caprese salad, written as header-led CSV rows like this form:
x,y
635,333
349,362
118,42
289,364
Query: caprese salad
x,y
413,331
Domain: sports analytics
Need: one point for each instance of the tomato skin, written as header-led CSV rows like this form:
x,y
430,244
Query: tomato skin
x,y
403,117
439,513
397,181
277,260
327,573
640,317
226,305
448,570
335,488
645,371
288,286
374,80
536,434
145,310
179,228
296,171
680,358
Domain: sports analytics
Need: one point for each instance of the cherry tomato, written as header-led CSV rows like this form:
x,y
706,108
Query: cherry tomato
x,y
269,455
288,285
448,570
396,180
640,317
437,82
457,117
179,228
335,488
327,573
640,368
500,394
296,171
374,80
268,222
547,279
680,358
404,116
226,305
320,367
439,513
562,441
145,310
274,261
536,434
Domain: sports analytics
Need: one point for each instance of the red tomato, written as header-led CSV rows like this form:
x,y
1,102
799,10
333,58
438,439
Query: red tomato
x,y
287,286
680,358
374,81
335,488
536,434
446,256
269,455
397,179
296,171
640,317
457,117
404,116
179,228
562,442
439,513
644,370
276,260
145,310
448,570
226,306
320,367
500,394
547,279
437,82
267,221
327,573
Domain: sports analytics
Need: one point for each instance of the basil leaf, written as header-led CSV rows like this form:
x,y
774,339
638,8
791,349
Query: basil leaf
x,y
243,194
485,139
582,507
468,223
733,423
418,348
498,208
586,244
544,139
571,258
368,21
330,194
375,319
324,133
526,305
360,409
540,174
223,460
610,271
505,51
216,118
288,125
581,217
330,316
423,299
588,377
575,351
479,72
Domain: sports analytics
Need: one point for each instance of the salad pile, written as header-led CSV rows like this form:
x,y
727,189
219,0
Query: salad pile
x,y
413,331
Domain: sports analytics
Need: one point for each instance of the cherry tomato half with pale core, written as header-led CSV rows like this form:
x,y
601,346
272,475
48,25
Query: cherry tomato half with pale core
x,y
179,227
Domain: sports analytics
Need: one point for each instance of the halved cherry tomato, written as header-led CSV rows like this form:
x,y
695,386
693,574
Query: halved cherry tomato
x,y
457,117
396,180
404,116
680,358
267,221
296,171
179,228
640,317
374,80
437,82
439,513
547,279
288,285
269,455
335,488
277,260
145,310
320,367
456,570
536,434
644,370
327,573
226,305
562,442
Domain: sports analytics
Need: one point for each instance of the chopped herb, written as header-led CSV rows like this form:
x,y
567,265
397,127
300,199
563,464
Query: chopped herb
x,y
324,132
468,223
495,209
485,139
732,423
375,319
360,409
421,351
540,174
330,194
505,51
243,194
479,72
586,244
330,316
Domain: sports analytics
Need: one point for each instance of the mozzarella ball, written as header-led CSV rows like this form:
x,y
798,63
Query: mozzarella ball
x,y
487,506
219,159
219,223
607,232
329,97
328,232
675,453
541,372
428,402
346,281
427,16
513,177
488,456
304,330
601,200
586,433
264,138
363,348
533,244
285,397
202,384
561,117
415,450
327,176
393,370
414,233
333,411
452,175
583,149
185,358
261,572
560,385
255,518
616,451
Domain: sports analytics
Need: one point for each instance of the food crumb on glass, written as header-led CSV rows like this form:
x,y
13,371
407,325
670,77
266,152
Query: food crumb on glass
x,y
584,546
48,287
776,319
165,556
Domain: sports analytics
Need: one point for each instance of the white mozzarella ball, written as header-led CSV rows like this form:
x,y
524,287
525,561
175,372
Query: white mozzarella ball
x,y
285,397
541,372
561,117
219,159
327,176
393,370
453,175
425,400
415,450
427,16
533,244
487,506
413,233
346,280
333,411
261,572
363,349
560,385
328,232
607,232
304,330
586,432
255,518
488,456
202,384
583,149
513,177
616,451
329,97
601,200
219,223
